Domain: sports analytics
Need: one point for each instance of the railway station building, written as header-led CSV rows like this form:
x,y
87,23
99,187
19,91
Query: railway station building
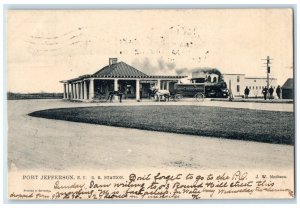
x,y
238,82
115,77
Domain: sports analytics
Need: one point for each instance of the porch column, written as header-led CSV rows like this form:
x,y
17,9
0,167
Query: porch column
x,y
80,90
167,87
116,87
68,91
137,87
76,92
76,86
91,93
84,90
158,84
65,91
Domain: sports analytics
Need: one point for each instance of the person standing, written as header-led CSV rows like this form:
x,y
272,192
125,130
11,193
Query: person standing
x,y
278,91
271,91
120,93
230,97
126,93
247,91
141,94
265,92
110,97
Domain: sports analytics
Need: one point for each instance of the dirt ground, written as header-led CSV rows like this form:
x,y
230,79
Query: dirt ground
x,y
37,143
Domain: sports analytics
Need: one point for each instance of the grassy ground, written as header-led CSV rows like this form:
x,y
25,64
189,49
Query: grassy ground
x,y
242,124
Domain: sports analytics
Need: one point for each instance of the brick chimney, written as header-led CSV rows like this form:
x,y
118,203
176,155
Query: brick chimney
x,y
113,61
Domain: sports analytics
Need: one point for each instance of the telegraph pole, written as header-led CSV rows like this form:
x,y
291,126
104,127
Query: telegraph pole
x,y
268,64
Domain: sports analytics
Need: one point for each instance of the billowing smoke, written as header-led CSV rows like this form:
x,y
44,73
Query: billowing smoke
x,y
208,70
171,66
158,67
161,64
145,65
181,71
166,67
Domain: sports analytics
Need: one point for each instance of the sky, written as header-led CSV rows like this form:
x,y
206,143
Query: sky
x,y
47,46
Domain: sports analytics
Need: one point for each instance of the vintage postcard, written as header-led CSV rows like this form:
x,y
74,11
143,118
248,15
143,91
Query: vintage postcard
x,y
150,104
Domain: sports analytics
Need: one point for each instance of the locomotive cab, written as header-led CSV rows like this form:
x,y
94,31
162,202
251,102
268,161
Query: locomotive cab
x,y
215,87
216,90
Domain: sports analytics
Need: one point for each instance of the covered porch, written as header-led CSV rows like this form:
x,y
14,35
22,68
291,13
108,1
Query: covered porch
x,y
87,89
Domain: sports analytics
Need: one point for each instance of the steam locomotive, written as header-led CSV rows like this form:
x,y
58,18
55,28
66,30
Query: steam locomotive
x,y
208,82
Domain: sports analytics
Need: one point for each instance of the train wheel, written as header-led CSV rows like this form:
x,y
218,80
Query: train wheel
x,y
178,97
199,97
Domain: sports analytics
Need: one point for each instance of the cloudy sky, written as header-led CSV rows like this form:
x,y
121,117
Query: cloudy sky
x,y
44,47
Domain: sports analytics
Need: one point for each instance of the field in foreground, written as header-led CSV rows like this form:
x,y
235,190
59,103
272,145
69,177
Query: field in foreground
x,y
242,124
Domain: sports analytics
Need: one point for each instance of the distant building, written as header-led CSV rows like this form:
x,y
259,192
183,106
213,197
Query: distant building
x,y
238,82
288,89
256,85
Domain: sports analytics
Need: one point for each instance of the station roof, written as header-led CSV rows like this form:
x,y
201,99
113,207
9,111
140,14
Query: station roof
x,y
121,70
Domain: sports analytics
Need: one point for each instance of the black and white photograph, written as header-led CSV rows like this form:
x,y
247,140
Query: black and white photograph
x,y
150,104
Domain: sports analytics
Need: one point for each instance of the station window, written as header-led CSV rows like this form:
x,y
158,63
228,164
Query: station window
x,y
257,87
238,78
238,88
249,87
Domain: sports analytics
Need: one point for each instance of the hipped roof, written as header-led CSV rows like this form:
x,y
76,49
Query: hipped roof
x,y
121,70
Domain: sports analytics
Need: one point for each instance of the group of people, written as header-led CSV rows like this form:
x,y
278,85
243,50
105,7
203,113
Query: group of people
x,y
270,91
266,92
121,93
